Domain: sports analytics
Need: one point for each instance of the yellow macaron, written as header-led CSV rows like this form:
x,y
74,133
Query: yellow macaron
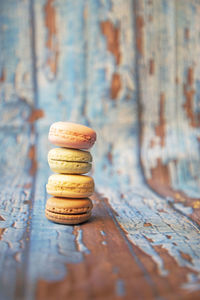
x,y
72,186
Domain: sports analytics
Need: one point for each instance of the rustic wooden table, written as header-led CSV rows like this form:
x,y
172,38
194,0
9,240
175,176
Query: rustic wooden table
x,y
130,69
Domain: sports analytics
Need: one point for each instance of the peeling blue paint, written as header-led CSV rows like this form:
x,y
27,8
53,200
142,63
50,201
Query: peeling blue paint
x,y
120,288
16,140
56,244
104,243
182,208
139,204
81,246
102,233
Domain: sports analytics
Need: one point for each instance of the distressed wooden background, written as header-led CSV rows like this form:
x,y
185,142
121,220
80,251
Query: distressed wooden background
x,y
130,69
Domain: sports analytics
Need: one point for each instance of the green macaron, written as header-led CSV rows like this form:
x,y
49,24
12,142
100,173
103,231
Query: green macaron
x,y
69,161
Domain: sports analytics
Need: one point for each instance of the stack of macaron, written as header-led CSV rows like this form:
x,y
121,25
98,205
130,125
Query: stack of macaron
x,y
69,187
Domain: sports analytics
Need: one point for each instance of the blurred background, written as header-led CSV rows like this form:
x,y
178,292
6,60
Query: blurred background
x,y
130,69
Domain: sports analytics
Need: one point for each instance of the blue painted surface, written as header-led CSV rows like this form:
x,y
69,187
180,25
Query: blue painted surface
x,y
58,244
103,233
16,99
120,290
80,91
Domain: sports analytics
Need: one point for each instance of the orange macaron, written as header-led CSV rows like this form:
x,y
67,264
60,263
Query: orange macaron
x,y
67,210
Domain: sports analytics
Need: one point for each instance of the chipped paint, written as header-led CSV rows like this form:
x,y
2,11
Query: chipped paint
x,y
104,243
112,38
115,86
3,76
51,42
17,98
35,115
80,245
100,265
61,245
14,212
33,159
139,204
160,129
189,93
120,288
183,209
102,233
160,174
147,224
57,243
140,34
186,256
151,67
180,145
186,34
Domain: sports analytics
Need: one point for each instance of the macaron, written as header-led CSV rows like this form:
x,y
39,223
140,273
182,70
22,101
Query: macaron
x,y
71,135
72,186
70,161
68,211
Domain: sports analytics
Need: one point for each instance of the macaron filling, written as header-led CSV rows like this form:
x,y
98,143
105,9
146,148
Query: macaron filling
x,y
57,188
70,211
66,218
69,161
69,216
68,206
69,167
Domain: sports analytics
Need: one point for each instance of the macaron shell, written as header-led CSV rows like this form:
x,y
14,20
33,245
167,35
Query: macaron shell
x,y
69,167
67,219
72,186
71,155
76,193
71,135
69,180
68,205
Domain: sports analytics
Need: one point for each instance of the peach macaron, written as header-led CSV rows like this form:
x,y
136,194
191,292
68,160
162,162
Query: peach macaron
x,y
71,135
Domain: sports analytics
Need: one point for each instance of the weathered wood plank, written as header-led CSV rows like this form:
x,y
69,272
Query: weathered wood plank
x,y
169,138
109,264
17,138
163,136
155,21
117,170
188,117
61,84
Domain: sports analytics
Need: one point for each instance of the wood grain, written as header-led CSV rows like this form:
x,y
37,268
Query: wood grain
x,y
167,161
108,267
130,70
